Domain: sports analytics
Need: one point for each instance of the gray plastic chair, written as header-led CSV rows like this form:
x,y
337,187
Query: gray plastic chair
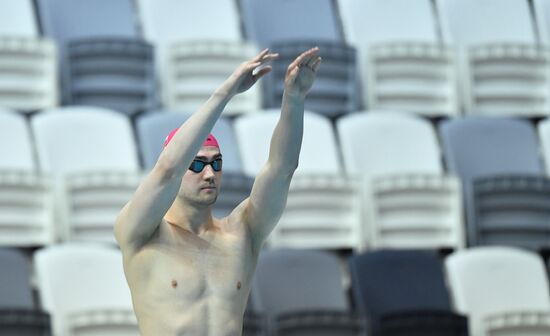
x,y
301,292
335,90
18,315
403,292
152,130
269,21
114,73
67,20
504,184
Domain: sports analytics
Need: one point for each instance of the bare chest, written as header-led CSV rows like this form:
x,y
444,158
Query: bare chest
x,y
192,270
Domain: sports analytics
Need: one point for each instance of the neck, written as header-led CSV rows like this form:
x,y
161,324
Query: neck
x,y
190,217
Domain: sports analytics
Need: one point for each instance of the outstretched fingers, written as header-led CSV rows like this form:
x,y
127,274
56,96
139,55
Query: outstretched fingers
x,y
305,56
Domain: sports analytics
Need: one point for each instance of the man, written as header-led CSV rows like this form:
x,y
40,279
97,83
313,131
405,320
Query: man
x,y
190,273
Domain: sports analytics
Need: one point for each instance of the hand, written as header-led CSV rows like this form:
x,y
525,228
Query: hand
x,y
243,78
301,73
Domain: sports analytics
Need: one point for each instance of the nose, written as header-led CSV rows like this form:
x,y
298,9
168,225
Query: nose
x,y
208,173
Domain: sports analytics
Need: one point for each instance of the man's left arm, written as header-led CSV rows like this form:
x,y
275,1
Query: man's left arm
x,y
264,207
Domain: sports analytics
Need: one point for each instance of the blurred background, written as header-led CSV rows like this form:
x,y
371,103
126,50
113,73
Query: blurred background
x,y
421,205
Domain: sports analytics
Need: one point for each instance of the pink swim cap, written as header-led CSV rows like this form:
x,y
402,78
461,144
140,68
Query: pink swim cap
x,y
210,140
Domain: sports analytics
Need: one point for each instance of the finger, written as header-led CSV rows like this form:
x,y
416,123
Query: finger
x,y
293,74
261,55
262,72
269,57
317,64
312,60
305,54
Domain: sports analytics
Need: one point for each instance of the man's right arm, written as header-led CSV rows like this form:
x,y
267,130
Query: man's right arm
x,y
142,215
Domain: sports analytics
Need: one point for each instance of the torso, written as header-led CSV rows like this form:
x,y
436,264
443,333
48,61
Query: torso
x,y
188,284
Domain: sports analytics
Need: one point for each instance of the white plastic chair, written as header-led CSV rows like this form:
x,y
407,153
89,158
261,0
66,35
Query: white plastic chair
x,y
28,73
409,202
166,23
403,65
26,198
17,18
83,288
504,291
195,69
504,71
323,206
413,77
92,153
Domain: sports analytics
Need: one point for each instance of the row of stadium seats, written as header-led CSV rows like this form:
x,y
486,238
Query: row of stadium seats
x,y
377,181
436,58
486,290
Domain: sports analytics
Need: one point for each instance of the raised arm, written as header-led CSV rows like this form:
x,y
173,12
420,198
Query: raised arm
x,y
142,215
264,207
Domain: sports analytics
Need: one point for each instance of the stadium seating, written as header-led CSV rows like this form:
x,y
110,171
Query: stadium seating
x,y
403,65
505,189
152,130
301,292
408,200
113,73
83,288
92,154
323,205
271,21
28,74
18,314
403,292
68,20
503,290
198,44
505,72
17,18
26,197
194,70
334,91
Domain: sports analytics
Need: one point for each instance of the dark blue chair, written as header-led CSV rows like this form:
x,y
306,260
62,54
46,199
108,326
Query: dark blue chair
x,y
404,293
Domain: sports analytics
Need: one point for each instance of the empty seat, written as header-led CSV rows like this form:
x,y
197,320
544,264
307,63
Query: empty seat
x,y
504,184
409,202
504,71
92,153
17,18
270,21
323,205
197,44
26,197
18,313
67,20
403,292
194,70
83,288
301,292
152,130
403,66
504,291
334,91
28,74
113,73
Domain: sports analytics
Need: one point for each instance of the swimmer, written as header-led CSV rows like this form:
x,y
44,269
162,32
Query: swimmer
x,y
190,273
